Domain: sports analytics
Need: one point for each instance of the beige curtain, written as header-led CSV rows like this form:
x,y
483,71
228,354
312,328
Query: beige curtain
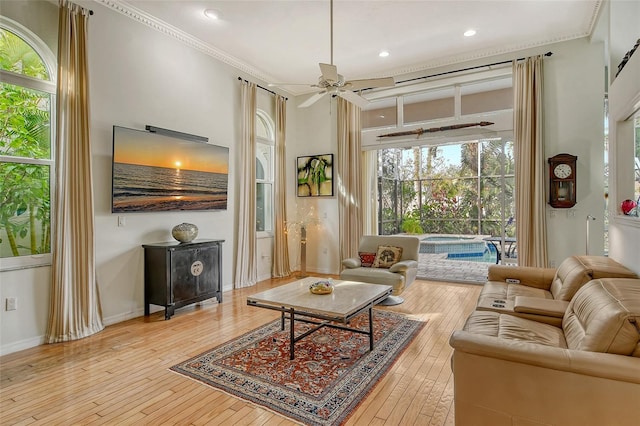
x,y
370,191
531,227
246,264
349,178
75,310
281,266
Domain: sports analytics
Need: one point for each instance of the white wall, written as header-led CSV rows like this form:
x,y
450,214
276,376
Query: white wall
x,y
574,82
316,133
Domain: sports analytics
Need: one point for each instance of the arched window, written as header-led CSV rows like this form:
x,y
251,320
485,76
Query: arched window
x,y
264,171
27,99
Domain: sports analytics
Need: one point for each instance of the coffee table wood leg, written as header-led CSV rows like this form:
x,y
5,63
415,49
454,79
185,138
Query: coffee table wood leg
x,y
370,328
291,337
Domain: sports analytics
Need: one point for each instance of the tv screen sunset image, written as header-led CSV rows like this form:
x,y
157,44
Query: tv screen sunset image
x,y
155,173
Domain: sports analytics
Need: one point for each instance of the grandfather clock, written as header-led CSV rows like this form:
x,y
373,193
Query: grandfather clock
x,y
562,181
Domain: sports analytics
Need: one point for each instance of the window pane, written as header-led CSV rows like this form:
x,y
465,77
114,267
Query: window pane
x,y
379,114
429,106
25,209
263,207
264,162
18,57
26,128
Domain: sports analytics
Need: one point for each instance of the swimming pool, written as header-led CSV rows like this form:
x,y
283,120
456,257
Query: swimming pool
x,y
456,246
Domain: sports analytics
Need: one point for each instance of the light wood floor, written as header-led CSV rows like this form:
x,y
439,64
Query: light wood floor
x,y
120,375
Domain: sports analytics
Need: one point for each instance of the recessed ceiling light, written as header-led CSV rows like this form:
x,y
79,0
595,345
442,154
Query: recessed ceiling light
x,y
469,33
212,14
383,54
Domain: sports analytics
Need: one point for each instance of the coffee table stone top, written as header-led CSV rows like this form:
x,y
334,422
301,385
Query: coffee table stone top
x,y
347,296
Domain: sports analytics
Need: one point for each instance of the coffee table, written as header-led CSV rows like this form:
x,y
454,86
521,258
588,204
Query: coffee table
x,y
296,303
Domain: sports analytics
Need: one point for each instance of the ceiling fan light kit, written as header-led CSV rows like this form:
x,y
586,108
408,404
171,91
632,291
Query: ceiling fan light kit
x,y
334,84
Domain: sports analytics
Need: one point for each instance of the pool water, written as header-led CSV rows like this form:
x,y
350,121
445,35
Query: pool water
x,y
466,248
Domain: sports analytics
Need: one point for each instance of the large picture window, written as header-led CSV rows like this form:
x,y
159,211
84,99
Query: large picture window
x,y
461,188
27,92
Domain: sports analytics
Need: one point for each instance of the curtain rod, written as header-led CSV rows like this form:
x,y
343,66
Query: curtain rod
x,y
263,88
464,69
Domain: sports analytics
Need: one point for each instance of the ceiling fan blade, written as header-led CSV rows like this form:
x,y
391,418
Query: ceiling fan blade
x,y
354,98
329,72
370,83
291,84
312,100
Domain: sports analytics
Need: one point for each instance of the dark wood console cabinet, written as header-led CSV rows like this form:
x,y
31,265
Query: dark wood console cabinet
x,y
179,274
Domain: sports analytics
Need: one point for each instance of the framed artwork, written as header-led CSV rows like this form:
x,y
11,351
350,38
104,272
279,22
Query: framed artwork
x,y
315,175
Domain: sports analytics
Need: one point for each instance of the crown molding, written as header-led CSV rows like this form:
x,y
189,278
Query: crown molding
x,y
159,25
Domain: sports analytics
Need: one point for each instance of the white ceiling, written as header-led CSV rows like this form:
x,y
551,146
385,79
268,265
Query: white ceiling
x,y
283,41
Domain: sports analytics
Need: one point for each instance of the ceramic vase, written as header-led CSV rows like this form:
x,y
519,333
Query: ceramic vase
x,y
185,232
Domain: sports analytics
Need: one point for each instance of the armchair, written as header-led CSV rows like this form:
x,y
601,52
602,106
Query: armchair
x,y
373,264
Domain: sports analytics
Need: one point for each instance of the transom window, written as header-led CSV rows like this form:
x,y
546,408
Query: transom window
x,y
27,96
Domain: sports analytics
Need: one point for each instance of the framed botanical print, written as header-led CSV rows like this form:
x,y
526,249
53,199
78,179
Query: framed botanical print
x,y
315,175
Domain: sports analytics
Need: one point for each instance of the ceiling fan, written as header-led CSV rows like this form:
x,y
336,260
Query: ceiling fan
x,y
332,83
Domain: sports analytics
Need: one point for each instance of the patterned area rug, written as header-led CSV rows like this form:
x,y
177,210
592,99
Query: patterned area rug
x,y
332,372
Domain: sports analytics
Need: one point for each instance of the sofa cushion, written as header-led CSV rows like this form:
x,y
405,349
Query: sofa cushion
x,y
604,316
507,291
576,271
386,256
366,259
510,327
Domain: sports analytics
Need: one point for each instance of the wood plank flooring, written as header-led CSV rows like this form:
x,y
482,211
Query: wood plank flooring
x,y
121,375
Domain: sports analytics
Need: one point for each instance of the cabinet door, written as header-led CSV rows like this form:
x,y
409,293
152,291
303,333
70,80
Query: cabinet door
x,y
207,280
194,272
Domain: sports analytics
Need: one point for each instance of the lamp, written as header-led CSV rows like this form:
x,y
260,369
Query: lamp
x,y
306,217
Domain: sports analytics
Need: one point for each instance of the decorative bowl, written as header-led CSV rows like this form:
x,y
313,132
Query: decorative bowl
x,y
321,287
185,232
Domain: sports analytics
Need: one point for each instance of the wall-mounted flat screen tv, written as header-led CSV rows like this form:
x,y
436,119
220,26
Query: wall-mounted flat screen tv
x,y
157,173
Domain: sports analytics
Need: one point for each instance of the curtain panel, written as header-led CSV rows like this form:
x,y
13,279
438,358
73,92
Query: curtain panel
x,y
350,212
370,192
531,227
246,261
281,266
75,310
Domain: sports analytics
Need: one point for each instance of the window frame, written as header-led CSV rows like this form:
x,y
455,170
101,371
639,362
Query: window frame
x,y
50,87
267,142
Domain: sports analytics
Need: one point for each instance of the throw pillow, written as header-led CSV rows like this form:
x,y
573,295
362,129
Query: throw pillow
x,y
387,256
367,259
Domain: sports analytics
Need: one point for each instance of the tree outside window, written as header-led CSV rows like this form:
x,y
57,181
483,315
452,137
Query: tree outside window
x,y
26,160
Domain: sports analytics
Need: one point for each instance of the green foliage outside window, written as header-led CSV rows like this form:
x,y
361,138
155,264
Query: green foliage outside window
x,y
25,147
454,189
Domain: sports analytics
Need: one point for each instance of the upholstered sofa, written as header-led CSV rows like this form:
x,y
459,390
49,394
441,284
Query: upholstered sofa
x,y
399,274
510,370
543,294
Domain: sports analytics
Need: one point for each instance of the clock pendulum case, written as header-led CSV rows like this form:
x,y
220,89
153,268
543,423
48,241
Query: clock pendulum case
x,y
562,181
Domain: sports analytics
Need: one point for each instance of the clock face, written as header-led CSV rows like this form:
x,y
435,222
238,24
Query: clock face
x,y
562,171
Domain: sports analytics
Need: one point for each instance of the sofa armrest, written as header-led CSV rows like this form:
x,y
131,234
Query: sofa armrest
x,y
596,364
540,306
403,265
352,262
523,275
